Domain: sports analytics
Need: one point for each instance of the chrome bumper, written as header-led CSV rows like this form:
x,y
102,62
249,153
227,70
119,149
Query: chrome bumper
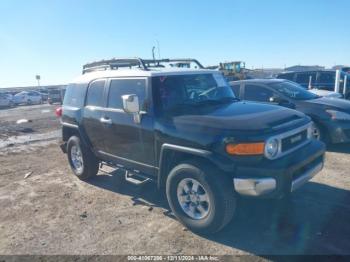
x,y
263,186
254,186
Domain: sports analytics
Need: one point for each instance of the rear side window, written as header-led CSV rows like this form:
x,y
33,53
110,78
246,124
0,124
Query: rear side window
x,y
304,78
75,95
95,93
257,93
120,87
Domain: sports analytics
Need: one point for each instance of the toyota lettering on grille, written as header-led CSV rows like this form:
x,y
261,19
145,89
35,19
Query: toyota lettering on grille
x,y
295,139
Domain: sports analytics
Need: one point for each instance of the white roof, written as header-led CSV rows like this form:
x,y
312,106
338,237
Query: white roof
x,y
135,72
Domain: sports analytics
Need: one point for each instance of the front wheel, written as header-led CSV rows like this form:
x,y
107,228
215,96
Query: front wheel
x,y
81,160
203,201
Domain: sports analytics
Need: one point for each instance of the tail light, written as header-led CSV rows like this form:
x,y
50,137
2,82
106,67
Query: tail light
x,y
58,111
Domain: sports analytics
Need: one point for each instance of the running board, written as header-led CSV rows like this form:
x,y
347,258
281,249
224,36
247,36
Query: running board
x,y
136,179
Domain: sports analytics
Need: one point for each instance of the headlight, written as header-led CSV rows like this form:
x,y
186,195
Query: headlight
x,y
271,148
337,115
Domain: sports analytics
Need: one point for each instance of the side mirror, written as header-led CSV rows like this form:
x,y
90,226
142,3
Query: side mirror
x,y
275,99
131,104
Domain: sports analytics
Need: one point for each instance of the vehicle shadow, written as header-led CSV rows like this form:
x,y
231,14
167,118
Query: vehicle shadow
x,y
339,148
314,221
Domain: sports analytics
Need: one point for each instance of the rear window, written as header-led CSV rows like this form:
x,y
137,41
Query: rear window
x,y
75,95
95,93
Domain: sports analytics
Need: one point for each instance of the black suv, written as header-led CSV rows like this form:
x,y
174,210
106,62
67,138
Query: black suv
x,y
185,129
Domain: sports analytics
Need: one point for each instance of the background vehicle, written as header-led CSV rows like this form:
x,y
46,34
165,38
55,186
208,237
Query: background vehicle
x,y
27,97
322,82
55,96
6,100
232,70
330,115
185,130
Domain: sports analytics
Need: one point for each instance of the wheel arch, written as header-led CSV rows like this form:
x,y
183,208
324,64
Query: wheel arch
x,y
172,155
69,130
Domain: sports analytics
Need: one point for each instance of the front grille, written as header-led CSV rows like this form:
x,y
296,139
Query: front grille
x,y
292,141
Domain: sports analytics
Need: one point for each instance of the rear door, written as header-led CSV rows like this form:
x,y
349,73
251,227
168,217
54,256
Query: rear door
x,y
94,106
130,143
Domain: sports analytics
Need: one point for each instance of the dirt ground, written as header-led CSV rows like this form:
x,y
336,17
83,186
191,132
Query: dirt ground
x,y
52,212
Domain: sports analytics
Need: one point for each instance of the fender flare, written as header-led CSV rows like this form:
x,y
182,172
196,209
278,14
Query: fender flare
x,y
205,154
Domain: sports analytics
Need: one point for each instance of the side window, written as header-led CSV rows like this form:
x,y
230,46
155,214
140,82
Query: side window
x,y
326,78
304,78
120,87
257,93
286,76
236,89
75,95
95,93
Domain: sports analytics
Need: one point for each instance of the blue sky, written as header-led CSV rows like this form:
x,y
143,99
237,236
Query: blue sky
x,y
54,38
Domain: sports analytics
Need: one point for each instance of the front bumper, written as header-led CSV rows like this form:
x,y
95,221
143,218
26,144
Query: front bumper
x,y
273,179
339,131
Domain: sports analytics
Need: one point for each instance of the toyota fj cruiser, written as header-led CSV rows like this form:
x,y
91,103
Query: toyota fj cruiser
x,y
185,129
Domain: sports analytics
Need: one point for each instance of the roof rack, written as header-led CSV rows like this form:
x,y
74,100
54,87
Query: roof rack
x,y
143,64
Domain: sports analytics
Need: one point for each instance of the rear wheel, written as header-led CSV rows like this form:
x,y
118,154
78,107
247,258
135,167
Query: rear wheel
x,y
203,201
82,161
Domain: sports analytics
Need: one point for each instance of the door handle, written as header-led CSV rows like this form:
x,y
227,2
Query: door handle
x,y
106,120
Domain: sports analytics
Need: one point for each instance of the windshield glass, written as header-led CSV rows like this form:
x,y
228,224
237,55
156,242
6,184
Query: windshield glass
x,y
194,89
293,90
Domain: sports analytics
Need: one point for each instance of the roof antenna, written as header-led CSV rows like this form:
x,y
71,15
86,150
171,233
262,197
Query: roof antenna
x,y
158,49
154,58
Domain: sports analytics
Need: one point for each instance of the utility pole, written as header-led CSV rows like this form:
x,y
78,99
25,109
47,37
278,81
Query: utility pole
x,y
37,77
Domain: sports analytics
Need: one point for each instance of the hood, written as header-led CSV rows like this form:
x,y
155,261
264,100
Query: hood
x,y
332,103
241,116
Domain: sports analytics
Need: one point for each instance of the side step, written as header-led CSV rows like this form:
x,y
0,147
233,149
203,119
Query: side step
x,y
136,179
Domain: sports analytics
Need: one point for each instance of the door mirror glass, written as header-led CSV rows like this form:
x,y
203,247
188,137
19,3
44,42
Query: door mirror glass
x,y
275,99
131,104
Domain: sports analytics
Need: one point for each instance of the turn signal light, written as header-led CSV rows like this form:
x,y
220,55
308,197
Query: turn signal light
x,y
245,149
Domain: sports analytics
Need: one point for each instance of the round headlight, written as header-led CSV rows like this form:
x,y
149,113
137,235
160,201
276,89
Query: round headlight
x,y
271,148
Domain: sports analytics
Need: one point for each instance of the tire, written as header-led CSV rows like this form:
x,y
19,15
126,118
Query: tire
x,y
89,164
29,102
217,188
321,134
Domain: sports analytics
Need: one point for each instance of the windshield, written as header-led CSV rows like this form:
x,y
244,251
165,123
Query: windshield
x,y
195,89
293,90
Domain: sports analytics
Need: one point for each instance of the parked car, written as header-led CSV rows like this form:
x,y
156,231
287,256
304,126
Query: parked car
x,y
44,94
185,130
322,82
55,96
6,100
28,97
331,116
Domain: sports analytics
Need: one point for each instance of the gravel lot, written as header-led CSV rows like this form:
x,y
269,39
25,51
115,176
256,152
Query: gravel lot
x,y
52,212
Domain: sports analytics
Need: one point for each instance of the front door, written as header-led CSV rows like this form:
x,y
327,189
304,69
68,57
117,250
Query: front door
x,y
129,142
